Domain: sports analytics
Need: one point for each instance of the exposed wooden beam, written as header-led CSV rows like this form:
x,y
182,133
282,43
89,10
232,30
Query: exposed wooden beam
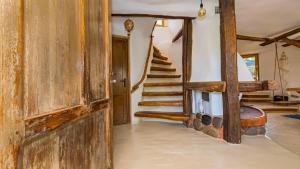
x,y
291,42
251,38
231,104
280,37
253,86
207,86
187,40
152,16
178,35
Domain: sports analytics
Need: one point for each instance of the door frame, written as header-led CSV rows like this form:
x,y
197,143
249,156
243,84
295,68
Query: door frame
x,y
257,68
128,90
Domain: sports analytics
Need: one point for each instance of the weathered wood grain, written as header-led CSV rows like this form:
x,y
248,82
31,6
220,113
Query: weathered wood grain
x,y
46,84
229,72
207,86
52,55
11,82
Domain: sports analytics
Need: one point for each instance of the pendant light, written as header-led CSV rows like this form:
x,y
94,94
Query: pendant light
x,y
202,10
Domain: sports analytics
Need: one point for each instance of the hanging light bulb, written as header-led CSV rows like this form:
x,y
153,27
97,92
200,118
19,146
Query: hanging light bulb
x,y
202,10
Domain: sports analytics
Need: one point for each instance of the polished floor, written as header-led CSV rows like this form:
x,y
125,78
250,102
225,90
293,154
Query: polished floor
x,y
284,131
155,145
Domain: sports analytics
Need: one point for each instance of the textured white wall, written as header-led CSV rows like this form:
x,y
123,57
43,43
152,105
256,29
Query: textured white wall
x,y
267,59
163,37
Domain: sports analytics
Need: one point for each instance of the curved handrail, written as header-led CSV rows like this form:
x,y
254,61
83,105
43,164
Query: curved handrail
x,y
137,85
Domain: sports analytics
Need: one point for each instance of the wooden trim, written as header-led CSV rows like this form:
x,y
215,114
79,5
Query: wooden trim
x,y
251,38
280,37
178,35
252,86
187,34
207,86
137,85
291,42
291,89
151,16
52,120
256,55
121,37
231,105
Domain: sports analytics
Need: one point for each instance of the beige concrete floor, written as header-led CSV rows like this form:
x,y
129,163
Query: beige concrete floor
x,y
155,145
284,131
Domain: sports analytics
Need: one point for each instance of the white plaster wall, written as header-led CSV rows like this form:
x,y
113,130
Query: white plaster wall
x,y
163,37
139,44
267,60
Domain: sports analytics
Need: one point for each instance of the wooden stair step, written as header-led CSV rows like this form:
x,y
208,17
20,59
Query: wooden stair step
x,y
162,84
177,116
256,96
161,103
172,93
257,100
154,68
161,62
159,56
162,76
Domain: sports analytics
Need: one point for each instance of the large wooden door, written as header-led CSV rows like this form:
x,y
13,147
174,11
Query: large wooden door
x,y
121,86
55,95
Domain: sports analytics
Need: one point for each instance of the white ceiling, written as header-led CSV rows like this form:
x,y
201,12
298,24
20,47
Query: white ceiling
x,y
263,18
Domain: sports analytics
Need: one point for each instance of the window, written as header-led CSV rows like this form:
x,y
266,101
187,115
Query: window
x,y
162,23
252,62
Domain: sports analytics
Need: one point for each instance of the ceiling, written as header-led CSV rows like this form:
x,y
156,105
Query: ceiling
x,y
263,18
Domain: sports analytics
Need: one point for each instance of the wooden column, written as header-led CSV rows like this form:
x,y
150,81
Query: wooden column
x,y
231,106
187,64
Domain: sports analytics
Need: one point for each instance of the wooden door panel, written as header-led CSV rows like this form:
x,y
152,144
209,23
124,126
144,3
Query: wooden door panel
x,y
121,90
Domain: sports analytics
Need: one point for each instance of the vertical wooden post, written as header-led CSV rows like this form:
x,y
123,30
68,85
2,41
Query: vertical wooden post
x,y
187,63
231,106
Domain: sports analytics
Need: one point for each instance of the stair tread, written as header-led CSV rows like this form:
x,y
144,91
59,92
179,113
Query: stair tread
x,y
162,62
163,93
162,76
162,84
161,103
177,116
155,68
159,56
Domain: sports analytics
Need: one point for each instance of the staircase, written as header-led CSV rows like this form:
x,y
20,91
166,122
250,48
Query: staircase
x,y
256,97
162,95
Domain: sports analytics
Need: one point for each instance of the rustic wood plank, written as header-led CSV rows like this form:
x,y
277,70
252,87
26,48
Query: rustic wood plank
x,y
155,68
151,15
11,80
282,36
252,86
229,73
207,86
291,42
163,115
162,76
172,93
187,33
52,120
161,103
161,62
162,84
251,38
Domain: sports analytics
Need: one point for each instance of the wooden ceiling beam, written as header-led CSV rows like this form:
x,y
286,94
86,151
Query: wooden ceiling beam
x,y
251,38
151,16
280,37
291,42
